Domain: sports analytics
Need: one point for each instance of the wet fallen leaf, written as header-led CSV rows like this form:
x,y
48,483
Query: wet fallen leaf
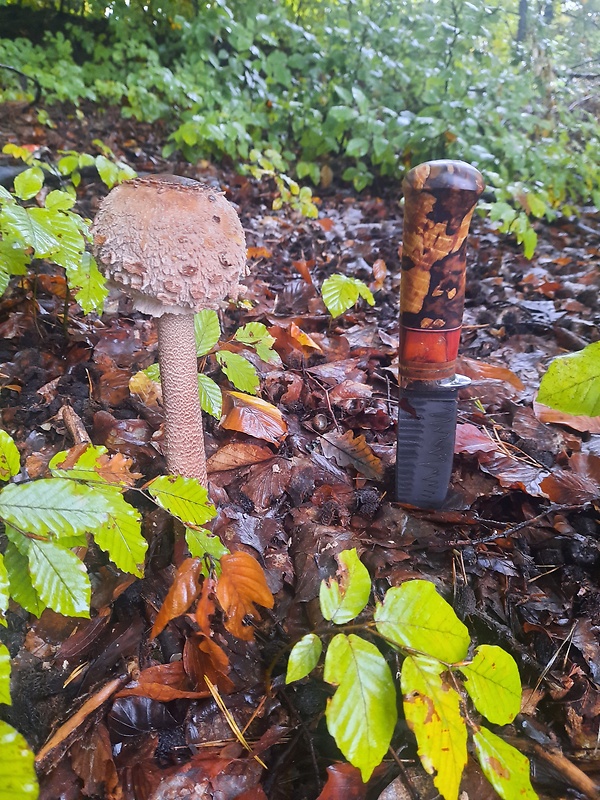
x,y
256,417
577,423
239,454
562,486
202,657
181,595
267,482
163,683
512,473
481,369
471,439
258,252
379,275
146,390
350,450
242,584
343,780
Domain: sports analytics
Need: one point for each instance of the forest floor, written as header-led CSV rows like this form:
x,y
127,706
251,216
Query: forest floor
x,y
515,549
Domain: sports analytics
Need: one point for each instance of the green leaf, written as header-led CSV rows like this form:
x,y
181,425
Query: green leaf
x,y
88,285
343,600
84,469
10,459
59,578
432,711
109,172
18,780
4,590
239,371
361,716
304,657
211,398
30,232
185,498
340,293
414,615
21,588
66,230
58,200
202,543
207,330
529,240
572,382
505,768
120,535
494,684
13,259
4,675
256,335
27,184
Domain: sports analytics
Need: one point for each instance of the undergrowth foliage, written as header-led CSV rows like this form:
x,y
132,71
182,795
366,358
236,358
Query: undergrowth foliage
x,y
445,688
352,89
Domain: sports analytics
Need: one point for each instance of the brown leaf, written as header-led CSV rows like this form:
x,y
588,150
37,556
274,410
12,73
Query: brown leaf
x,y
238,454
343,780
304,268
351,450
480,369
256,417
163,683
113,468
242,583
149,392
577,423
206,605
566,487
513,474
181,595
267,481
470,439
92,760
204,657
379,275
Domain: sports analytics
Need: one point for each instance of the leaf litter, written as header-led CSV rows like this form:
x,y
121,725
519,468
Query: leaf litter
x,y
299,474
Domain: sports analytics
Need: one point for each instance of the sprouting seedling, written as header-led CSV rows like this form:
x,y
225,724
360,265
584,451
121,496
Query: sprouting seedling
x,y
177,247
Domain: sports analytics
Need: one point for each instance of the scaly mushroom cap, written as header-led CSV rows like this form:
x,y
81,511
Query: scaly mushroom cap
x,y
174,244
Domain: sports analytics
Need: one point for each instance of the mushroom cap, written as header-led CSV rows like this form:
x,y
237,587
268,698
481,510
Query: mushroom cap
x,y
175,245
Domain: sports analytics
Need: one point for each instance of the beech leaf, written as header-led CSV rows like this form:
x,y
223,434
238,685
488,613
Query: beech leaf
x,y
340,293
22,590
505,768
304,657
493,684
255,417
432,711
351,450
207,330
414,615
239,371
10,459
181,595
237,454
202,543
242,584
361,716
342,600
211,399
572,383
59,578
4,590
18,780
4,675
185,498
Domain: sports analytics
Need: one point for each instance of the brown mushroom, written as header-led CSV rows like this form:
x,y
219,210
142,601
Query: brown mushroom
x,y
177,247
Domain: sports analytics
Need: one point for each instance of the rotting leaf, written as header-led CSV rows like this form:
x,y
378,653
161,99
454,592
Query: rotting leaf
x,y
164,682
562,486
471,439
181,595
350,450
241,585
254,416
343,780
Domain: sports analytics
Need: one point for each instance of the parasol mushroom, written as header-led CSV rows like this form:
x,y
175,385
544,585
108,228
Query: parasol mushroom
x,y
176,247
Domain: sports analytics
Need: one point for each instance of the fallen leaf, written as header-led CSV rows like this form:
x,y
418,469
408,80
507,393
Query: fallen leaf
x,y
304,268
512,473
471,439
92,760
242,584
379,275
181,595
163,683
256,417
577,423
351,450
325,222
202,657
149,392
258,252
343,780
239,454
267,482
562,486
481,369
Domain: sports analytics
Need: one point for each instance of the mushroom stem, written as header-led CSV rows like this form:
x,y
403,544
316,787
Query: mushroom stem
x,y
183,415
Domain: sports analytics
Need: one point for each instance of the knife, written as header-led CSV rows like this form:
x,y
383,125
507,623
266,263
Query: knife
x,y
440,197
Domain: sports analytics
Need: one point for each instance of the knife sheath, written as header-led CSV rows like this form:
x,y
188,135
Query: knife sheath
x,y
440,197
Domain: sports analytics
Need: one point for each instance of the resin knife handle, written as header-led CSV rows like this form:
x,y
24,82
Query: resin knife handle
x,y
440,197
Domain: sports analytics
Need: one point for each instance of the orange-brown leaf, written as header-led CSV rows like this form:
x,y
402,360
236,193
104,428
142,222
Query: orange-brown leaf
x,y
181,595
164,682
258,252
256,417
206,605
238,454
379,275
480,370
351,450
304,268
577,423
241,585
204,657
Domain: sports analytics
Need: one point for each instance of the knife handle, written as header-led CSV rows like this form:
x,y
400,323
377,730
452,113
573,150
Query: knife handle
x,y
440,197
